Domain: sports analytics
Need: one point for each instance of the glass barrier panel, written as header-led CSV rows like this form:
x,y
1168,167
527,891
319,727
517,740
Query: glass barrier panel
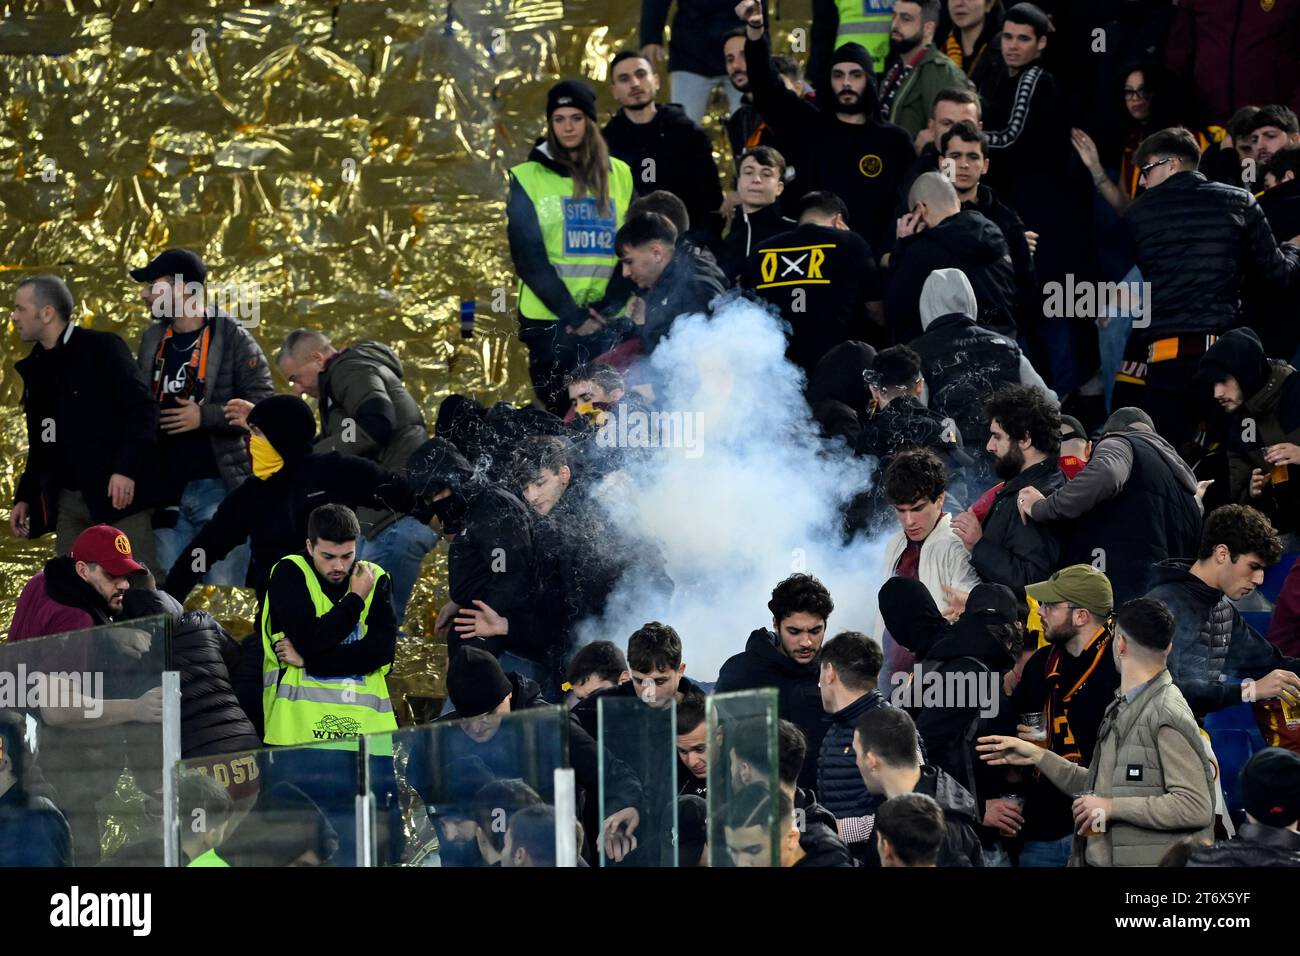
x,y
473,792
279,806
637,761
743,778
81,717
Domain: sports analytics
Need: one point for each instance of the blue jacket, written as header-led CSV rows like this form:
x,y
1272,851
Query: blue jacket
x,y
839,784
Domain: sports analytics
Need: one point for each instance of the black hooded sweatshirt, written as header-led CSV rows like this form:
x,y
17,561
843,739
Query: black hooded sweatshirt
x,y
819,840
271,513
961,845
837,392
682,163
966,241
764,664
965,648
863,164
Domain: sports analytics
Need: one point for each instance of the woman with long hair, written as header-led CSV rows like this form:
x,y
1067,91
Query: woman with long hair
x,y
972,40
566,204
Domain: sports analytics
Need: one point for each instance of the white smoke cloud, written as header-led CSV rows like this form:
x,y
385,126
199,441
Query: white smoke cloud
x,y
760,498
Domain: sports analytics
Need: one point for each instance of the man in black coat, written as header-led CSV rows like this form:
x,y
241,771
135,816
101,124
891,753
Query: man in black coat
x,y
670,283
823,278
482,693
90,426
695,61
1195,242
850,663
838,394
213,720
964,154
664,148
1265,307
760,181
1262,399
1133,504
1270,789
1218,660
490,563
786,658
1024,439
939,234
839,145
963,363
884,743
900,421
969,655
270,510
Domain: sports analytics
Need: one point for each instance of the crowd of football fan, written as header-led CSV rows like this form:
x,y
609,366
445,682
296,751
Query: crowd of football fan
x,y
1041,265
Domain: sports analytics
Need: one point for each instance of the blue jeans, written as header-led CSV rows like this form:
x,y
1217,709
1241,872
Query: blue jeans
x,y
1046,852
691,91
199,502
399,549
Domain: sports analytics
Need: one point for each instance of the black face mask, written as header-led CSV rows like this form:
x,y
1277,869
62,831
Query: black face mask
x,y
449,511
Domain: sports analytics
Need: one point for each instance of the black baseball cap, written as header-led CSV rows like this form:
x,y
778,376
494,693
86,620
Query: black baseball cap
x,y
1072,428
173,262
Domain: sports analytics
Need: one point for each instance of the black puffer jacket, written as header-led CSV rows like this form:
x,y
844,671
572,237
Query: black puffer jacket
x,y
963,364
819,840
1012,552
960,817
965,241
762,664
1195,241
839,782
1254,845
212,720
1214,649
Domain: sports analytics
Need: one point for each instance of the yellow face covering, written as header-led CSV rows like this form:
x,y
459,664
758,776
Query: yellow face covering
x,y
266,460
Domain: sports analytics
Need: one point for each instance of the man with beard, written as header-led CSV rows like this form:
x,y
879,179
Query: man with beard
x,y
1024,438
662,146
786,658
1070,681
916,70
1271,129
80,590
841,146
196,360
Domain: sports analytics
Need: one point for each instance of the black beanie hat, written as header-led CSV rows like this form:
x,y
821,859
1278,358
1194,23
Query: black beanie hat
x,y
476,683
571,93
1270,787
854,53
288,424
1240,354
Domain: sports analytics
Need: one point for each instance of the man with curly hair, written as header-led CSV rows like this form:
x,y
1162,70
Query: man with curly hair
x,y
786,657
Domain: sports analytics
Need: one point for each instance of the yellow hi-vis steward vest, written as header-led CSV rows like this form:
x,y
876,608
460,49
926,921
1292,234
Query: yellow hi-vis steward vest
x,y
866,22
578,237
303,708
209,858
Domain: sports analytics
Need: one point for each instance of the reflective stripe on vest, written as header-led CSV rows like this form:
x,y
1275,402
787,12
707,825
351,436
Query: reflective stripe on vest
x,y
302,708
869,29
578,237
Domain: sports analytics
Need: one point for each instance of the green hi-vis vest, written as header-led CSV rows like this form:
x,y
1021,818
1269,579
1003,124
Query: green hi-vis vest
x,y
302,708
578,237
208,859
866,22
